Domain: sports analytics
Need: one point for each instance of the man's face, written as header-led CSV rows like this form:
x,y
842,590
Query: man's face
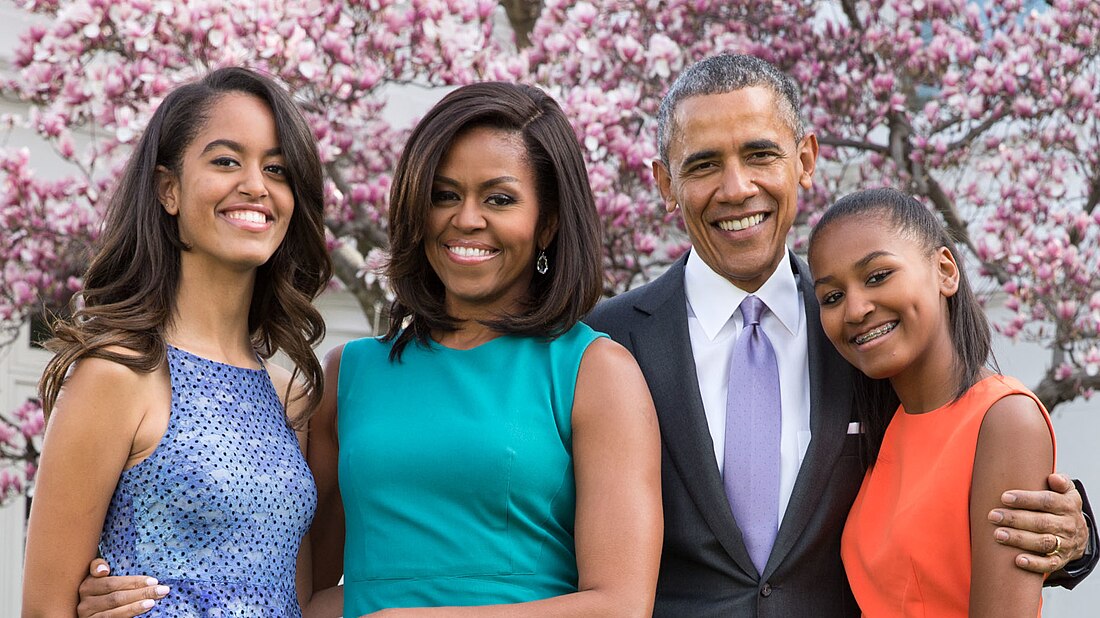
x,y
733,171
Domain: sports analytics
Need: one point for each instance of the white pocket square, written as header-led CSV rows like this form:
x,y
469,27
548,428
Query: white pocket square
x,y
854,428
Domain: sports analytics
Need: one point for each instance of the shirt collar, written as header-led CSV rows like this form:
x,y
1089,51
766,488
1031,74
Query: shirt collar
x,y
713,299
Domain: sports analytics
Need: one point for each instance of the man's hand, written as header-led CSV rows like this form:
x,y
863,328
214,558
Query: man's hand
x,y
116,597
1048,524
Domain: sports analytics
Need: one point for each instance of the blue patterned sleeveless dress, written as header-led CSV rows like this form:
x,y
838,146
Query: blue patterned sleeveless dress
x,y
217,512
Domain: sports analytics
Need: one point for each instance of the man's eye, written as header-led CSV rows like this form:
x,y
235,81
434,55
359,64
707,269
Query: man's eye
x,y
763,156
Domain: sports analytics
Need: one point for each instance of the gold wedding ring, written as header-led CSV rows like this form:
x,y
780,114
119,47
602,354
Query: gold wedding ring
x,y
1057,546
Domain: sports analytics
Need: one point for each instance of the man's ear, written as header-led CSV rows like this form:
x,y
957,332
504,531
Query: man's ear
x,y
167,190
663,179
947,271
807,161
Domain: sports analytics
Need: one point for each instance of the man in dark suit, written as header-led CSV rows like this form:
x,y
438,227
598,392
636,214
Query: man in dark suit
x,y
733,153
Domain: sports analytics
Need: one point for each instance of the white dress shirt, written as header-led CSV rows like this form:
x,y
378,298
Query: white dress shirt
x,y
714,323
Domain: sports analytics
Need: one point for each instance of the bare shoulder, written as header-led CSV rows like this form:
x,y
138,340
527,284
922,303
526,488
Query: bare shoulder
x,y
280,376
94,375
610,386
91,394
605,356
1015,418
331,362
324,417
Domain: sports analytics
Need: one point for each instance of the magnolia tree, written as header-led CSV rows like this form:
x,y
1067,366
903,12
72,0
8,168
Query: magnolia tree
x,y
986,110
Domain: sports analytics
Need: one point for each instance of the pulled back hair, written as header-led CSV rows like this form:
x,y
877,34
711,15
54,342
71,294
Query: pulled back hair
x,y
556,300
131,284
875,400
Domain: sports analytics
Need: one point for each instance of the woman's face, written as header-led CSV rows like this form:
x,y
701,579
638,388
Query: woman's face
x,y
483,232
231,197
883,296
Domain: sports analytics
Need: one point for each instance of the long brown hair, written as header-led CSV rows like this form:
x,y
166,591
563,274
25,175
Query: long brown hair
x,y
557,300
131,285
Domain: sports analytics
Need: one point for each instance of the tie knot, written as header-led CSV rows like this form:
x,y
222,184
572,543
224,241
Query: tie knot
x,y
751,309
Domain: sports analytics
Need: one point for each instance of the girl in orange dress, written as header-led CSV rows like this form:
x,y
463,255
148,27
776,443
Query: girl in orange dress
x,y
896,303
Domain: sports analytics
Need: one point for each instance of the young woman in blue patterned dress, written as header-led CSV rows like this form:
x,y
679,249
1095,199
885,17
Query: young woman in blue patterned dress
x,y
169,448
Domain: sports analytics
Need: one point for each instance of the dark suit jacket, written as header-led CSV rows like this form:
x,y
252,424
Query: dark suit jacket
x,y
705,568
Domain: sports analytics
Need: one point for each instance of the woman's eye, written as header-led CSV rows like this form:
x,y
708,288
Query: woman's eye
x,y
878,277
830,298
225,162
276,169
499,199
439,197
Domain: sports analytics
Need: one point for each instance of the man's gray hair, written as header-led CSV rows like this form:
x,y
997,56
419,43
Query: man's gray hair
x,y
722,74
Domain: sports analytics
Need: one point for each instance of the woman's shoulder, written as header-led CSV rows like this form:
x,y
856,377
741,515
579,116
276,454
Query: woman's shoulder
x,y
95,383
111,369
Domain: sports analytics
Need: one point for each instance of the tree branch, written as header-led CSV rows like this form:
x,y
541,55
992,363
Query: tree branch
x,y
522,14
1053,392
841,142
849,7
348,264
977,131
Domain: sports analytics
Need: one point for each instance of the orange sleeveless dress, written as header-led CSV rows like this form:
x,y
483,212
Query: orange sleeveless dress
x,y
906,544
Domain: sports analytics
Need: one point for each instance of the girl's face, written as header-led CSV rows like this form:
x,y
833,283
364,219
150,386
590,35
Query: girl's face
x,y
483,225
231,197
883,297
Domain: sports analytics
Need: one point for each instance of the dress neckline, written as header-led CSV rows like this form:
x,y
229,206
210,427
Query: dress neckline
x,y
262,368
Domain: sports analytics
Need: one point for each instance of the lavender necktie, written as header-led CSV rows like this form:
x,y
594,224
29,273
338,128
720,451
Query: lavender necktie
x,y
751,462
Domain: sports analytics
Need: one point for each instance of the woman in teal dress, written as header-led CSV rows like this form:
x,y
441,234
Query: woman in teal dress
x,y
492,450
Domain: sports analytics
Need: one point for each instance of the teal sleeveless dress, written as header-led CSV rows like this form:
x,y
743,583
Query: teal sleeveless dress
x,y
456,472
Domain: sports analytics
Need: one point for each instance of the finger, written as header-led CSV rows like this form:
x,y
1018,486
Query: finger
x,y
121,602
1038,544
1064,526
1040,564
101,586
134,609
1060,483
1044,500
99,568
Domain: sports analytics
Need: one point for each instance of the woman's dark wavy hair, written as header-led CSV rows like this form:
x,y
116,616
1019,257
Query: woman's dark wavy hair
x,y
131,285
556,300
875,400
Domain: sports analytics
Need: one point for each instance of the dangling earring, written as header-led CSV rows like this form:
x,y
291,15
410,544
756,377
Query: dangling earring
x,y
542,265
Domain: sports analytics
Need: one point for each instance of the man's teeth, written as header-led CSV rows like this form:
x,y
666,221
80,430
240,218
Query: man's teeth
x,y
470,251
732,225
250,216
875,333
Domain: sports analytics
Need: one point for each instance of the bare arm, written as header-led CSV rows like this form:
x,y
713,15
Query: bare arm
x,y
1014,451
323,453
90,439
619,525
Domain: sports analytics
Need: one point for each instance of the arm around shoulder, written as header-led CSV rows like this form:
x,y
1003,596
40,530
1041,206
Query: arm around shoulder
x,y
1015,451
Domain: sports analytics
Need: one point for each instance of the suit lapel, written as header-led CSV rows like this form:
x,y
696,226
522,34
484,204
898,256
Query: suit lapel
x,y
830,411
662,345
